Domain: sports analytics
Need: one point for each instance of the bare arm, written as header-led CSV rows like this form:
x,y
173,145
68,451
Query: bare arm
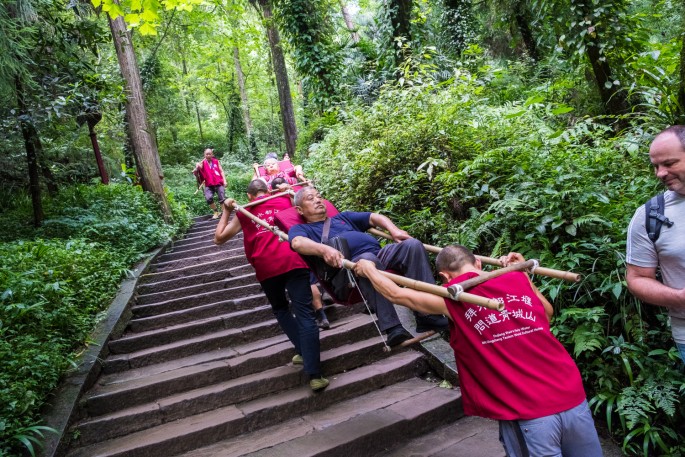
x,y
409,298
305,246
515,257
226,230
643,284
385,223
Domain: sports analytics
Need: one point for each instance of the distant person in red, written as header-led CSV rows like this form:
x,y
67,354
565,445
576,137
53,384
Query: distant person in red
x,y
211,174
278,269
511,367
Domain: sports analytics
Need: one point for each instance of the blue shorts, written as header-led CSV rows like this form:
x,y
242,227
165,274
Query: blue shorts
x,y
570,433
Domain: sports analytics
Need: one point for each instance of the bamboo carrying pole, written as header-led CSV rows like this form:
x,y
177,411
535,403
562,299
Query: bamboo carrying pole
x,y
454,293
543,271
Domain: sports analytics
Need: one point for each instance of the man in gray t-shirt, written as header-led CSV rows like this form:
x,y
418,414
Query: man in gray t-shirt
x,y
667,154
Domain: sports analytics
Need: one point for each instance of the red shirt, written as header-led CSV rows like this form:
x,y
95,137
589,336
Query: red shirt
x,y
510,365
266,253
211,173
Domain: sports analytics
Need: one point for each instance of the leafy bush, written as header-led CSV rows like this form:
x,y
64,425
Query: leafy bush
x,y
461,162
54,285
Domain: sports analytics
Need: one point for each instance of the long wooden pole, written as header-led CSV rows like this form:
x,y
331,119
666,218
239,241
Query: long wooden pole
x,y
454,294
543,271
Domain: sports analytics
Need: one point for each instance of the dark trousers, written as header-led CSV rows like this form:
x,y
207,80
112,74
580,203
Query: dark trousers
x,y
301,329
407,258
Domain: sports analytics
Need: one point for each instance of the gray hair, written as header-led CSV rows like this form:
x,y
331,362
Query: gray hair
x,y
299,196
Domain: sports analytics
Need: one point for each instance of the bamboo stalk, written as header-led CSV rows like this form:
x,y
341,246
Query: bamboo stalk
x,y
543,271
436,290
262,200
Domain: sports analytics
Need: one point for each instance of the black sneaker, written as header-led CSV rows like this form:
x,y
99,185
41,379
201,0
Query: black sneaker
x,y
398,335
427,322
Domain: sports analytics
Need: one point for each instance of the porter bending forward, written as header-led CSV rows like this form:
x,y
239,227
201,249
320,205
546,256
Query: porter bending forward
x,y
278,270
407,256
511,368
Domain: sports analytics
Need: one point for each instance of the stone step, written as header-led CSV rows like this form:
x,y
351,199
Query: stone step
x,y
164,329
140,340
321,424
166,409
199,241
190,346
351,337
172,318
196,290
195,279
405,412
202,227
219,254
212,426
238,260
204,248
204,298
470,436
197,238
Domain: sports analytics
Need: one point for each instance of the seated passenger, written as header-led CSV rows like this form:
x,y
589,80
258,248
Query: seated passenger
x,y
273,170
278,270
407,256
511,367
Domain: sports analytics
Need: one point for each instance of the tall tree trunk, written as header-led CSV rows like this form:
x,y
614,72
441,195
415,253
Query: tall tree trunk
x,y
281,73
29,133
524,29
613,97
199,119
247,119
458,21
347,17
147,157
400,17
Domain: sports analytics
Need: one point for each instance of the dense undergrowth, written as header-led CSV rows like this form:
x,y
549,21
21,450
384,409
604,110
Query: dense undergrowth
x,y
55,284
480,161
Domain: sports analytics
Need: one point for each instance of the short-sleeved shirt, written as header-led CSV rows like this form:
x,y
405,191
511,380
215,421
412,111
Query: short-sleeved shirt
x,y
668,252
510,365
268,255
349,225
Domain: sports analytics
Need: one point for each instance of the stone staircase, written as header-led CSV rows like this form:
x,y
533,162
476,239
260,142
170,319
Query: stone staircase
x,y
202,369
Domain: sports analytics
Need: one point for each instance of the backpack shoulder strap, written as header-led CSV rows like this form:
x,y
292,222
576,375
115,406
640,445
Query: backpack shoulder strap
x,y
655,218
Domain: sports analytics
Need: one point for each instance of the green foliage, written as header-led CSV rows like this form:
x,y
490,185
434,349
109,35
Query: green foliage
x,y
56,282
467,161
307,28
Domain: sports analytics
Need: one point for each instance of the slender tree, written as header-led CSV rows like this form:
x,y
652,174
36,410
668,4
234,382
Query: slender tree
x,y
347,17
308,29
247,119
458,22
281,75
144,147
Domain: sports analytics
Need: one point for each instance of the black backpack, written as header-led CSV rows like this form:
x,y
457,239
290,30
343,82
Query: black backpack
x,y
654,217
